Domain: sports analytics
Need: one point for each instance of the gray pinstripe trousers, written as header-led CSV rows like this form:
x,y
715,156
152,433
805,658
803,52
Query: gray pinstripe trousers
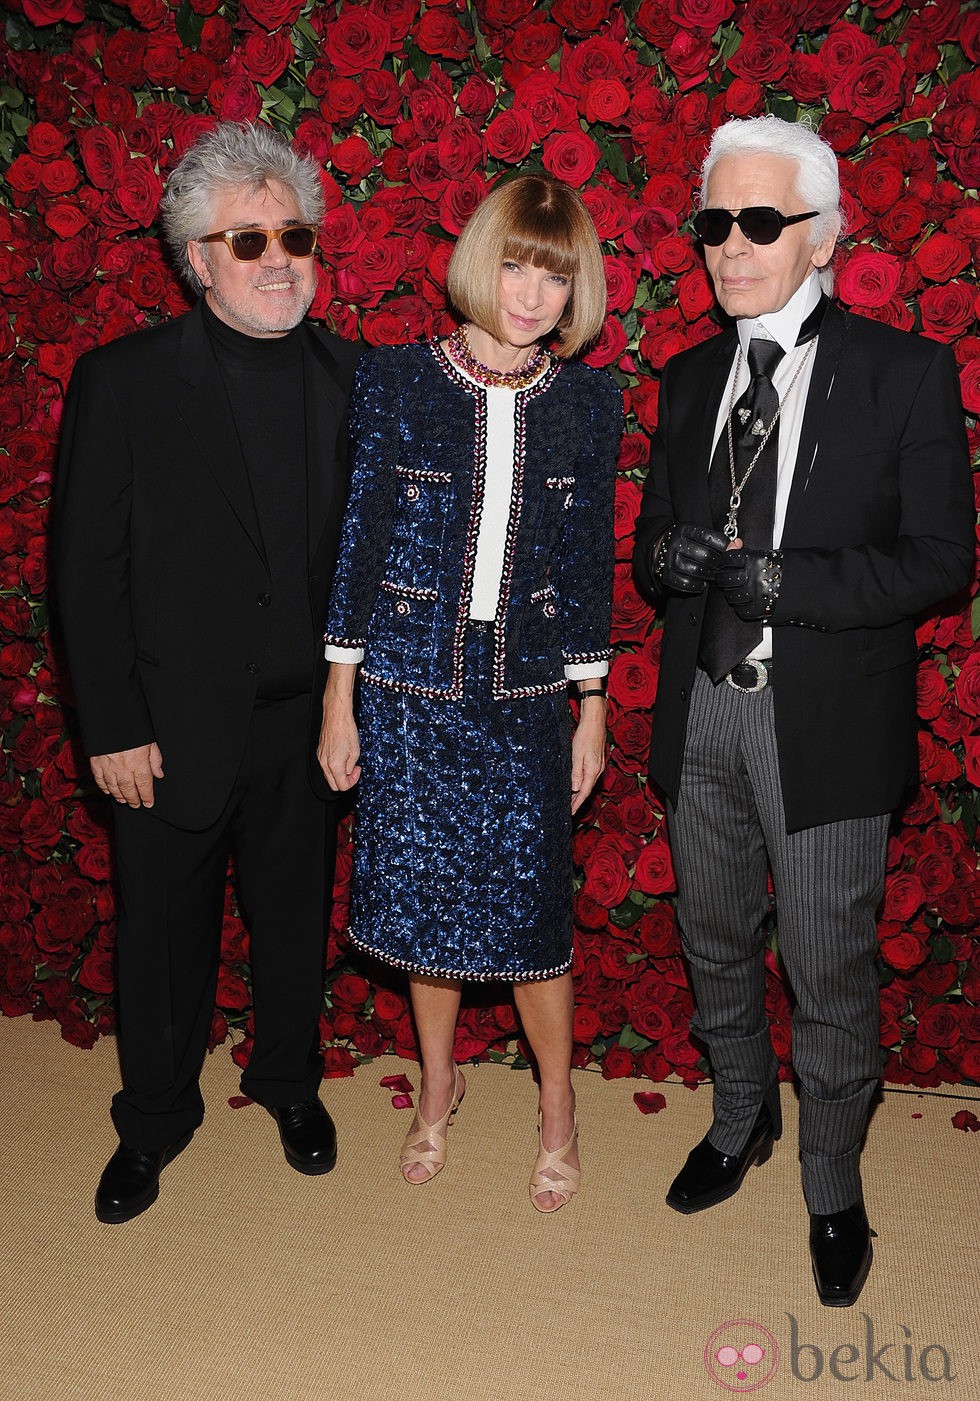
x,y
728,827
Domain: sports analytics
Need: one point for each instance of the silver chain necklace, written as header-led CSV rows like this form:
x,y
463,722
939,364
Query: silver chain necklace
x,y
735,500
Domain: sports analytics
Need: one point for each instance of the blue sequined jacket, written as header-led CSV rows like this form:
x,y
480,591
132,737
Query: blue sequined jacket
x,y
403,584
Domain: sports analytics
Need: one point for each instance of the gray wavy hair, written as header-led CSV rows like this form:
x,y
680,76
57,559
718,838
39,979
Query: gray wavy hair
x,y
234,155
818,175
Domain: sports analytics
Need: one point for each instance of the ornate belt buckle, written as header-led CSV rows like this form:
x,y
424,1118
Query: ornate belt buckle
x,y
760,670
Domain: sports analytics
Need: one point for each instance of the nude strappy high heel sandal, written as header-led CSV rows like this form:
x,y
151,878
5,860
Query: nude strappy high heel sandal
x,y
565,1182
425,1144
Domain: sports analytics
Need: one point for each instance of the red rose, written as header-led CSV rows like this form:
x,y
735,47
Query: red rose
x,y
337,1062
904,951
459,148
873,86
617,1063
137,191
476,98
265,56
98,971
880,183
271,14
531,46
604,100
546,107
688,58
654,868
431,108
102,156
938,1027
502,14
217,39
341,100
606,876
442,34
702,15
357,40
941,257
805,79
350,990
658,932
509,137
643,399
459,199
651,1021
398,322
354,158
235,99
695,293
970,386
610,345
41,12
903,896
844,45
382,95
580,16
399,15
585,1026
868,277
679,1051
571,156
760,58
967,685
388,1006
633,681
744,98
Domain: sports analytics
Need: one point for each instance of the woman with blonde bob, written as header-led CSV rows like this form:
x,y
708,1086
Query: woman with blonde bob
x,y
473,591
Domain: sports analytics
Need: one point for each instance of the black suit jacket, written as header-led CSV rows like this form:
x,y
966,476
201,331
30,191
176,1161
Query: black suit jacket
x,y
880,525
163,587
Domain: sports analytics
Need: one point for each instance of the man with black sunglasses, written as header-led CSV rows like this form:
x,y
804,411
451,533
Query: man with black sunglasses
x,y
809,495
201,485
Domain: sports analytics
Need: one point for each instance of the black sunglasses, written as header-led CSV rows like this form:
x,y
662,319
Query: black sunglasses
x,y
248,245
759,224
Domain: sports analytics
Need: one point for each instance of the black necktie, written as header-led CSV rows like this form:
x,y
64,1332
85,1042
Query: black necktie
x,y
725,639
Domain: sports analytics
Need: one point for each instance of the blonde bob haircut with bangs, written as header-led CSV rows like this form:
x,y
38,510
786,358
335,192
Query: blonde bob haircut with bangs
x,y
530,219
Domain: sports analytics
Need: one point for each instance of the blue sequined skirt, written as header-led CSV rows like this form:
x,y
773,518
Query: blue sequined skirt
x,y
462,840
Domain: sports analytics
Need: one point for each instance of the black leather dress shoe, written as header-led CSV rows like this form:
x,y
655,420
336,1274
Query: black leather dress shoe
x,y
710,1176
840,1248
309,1138
130,1181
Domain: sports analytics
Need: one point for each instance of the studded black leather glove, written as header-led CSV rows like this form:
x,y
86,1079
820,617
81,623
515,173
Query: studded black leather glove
x,y
751,580
687,557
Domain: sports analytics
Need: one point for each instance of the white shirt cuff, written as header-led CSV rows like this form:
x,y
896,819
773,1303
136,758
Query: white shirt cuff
x,y
349,655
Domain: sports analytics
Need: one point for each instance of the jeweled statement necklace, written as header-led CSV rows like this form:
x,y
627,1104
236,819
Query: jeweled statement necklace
x,y
458,348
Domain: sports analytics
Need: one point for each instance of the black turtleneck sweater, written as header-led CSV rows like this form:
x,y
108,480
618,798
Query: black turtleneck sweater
x,y
264,382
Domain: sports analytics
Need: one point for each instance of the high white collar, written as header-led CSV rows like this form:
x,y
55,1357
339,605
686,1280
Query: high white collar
x,y
784,325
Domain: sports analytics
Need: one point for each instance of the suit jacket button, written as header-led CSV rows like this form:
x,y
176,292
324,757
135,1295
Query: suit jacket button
x,y
252,668
683,695
402,607
264,600
692,618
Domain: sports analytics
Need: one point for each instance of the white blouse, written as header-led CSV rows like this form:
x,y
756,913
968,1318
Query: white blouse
x,y
501,415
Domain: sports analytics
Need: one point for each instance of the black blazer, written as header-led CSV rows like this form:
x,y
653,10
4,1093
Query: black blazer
x,y
162,584
880,525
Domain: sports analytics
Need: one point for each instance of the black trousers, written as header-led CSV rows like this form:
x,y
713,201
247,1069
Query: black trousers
x,y
283,841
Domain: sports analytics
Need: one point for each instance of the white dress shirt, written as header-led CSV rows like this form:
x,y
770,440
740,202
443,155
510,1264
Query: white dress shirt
x,y
782,326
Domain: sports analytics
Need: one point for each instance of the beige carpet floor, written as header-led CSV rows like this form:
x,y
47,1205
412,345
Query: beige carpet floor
x,y
249,1282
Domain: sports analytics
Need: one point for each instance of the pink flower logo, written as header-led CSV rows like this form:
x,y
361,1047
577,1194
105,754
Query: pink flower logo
x,y
741,1356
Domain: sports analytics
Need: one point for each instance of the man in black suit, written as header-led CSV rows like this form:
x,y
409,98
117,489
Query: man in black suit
x,y
201,485
809,494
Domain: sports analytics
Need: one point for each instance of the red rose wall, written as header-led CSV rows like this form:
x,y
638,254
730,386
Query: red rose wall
x,y
412,112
